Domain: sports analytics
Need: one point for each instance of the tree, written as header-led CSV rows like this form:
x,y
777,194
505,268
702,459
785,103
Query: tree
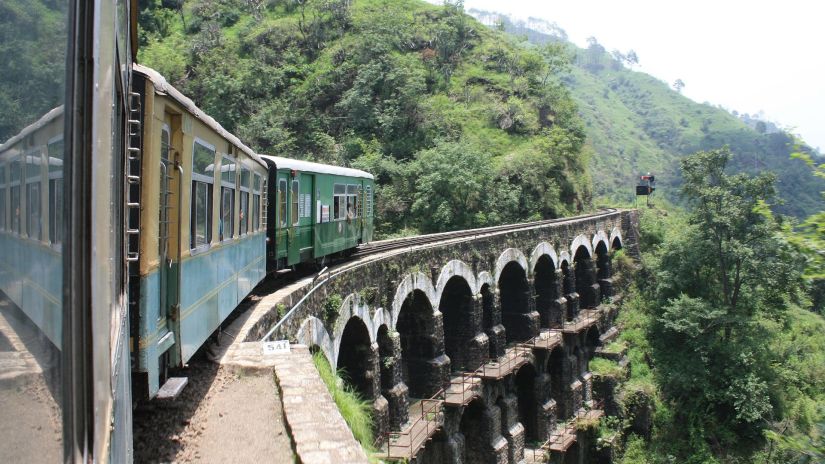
x,y
678,85
718,277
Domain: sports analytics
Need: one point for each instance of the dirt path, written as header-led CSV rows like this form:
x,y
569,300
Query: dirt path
x,y
220,417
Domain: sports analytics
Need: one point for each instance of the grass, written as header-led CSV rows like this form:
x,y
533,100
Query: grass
x,y
605,367
357,412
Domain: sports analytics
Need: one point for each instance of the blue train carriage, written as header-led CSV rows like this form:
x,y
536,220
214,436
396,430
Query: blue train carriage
x,y
202,229
31,228
317,211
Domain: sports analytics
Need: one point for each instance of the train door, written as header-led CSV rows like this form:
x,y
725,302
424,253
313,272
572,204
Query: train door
x,y
169,239
282,229
294,234
164,260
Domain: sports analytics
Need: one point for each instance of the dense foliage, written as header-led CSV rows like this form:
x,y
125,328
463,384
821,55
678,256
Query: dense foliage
x,y
728,360
32,53
636,124
460,124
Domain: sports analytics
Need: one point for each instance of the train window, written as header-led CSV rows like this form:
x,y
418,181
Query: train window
x,y
264,205
368,199
2,198
359,205
203,178
351,189
15,176
282,202
33,180
256,203
339,198
55,152
295,191
243,212
226,228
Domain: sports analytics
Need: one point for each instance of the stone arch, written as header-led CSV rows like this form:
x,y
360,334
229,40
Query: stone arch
x,y
519,319
461,325
600,237
484,278
543,249
528,404
425,367
604,269
350,308
416,281
476,433
313,333
585,270
506,257
452,269
546,288
356,358
581,240
616,234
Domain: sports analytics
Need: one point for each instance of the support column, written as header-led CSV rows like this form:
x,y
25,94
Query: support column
x,y
546,415
479,346
495,333
524,324
572,297
393,389
605,274
559,305
512,429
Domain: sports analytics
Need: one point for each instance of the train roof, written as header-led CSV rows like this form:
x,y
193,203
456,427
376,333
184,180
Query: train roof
x,y
162,85
45,119
309,166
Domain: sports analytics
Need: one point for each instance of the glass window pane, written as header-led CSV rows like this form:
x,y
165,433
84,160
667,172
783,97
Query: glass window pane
x,y
203,160
226,226
228,171
282,202
243,214
245,177
295,191
256,213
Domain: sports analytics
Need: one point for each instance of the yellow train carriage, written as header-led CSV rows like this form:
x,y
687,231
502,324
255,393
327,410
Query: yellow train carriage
x,y
202,231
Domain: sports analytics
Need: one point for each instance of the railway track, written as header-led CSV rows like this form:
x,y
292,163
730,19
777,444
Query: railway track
x,y
407,242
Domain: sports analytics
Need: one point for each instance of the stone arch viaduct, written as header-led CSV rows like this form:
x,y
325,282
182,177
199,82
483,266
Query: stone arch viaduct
x,y
489,336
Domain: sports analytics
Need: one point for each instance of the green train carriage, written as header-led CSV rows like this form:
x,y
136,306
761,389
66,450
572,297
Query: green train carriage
x,y
316,211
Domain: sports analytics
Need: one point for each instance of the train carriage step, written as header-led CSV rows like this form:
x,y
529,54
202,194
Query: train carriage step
x,y
172,388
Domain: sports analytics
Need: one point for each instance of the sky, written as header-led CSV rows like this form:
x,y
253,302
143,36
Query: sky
x,y
748,56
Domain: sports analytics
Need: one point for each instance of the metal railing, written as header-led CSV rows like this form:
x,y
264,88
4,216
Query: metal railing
x,y
463,388
406,443
513,357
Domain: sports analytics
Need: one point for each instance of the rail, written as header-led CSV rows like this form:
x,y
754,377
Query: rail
x,y
565,434
409,242
405,444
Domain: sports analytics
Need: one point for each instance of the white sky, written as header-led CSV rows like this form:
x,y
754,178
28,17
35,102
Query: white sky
x,y
748,56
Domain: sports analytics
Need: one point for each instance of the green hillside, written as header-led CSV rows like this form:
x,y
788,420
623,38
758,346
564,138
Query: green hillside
x,y
636,123
461,124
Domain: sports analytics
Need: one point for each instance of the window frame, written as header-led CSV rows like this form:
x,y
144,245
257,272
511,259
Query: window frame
x,y
339,202
56,194
3,197
256,202
295,190
243,223
228,186
209,184
368,199
283,208
33,182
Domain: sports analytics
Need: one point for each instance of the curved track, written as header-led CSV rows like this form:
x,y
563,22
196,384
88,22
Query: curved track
x,y
406,242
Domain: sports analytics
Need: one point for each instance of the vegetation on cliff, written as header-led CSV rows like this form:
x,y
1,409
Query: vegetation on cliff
x,y
636,124
722,330
461,126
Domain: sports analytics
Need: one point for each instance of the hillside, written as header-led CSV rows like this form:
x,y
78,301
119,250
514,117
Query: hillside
x,y
461,125
636,123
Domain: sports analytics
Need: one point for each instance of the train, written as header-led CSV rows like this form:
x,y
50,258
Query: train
x,y
131,225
